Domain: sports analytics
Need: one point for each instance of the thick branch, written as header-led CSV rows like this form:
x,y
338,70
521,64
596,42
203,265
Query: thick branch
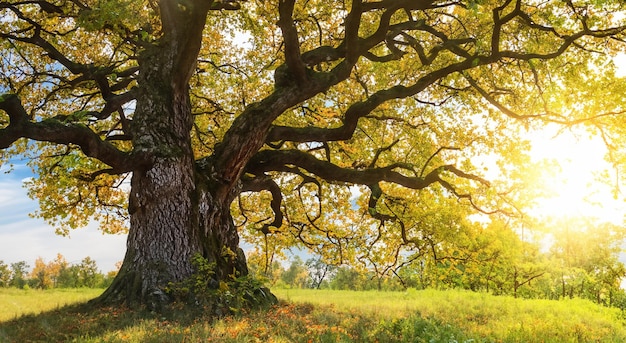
x,y
284,160
364,108
498,22
183,23
497,104
115,102
58,132
351,40
273,160
85,72
249,131
52,52
292,45
262,183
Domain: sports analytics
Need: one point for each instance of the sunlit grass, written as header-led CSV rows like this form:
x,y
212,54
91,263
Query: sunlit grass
x,y
480,315
328,316
16,302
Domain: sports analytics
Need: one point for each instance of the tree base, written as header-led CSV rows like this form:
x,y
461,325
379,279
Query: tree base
x,y
220,304
201,293
215,304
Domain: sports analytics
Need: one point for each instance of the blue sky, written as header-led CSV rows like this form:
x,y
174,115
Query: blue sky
x,y
23,238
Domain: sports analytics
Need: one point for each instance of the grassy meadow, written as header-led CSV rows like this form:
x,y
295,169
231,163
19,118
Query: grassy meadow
x,y
18,302
316,316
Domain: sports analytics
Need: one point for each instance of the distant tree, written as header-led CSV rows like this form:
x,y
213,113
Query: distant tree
x,y
319,271
587,257
88,273
68,277
265,265
56,273
347,278
41,276
296,275
55,267
5,274
19,272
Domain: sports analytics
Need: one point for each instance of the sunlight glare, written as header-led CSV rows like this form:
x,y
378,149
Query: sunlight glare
x,y
575,188
620,64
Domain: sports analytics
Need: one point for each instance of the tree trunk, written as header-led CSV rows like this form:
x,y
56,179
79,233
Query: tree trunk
x,y
176,210
175,217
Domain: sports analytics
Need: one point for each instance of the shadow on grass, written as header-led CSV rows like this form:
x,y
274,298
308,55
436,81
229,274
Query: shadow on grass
x,y
86,322
81,322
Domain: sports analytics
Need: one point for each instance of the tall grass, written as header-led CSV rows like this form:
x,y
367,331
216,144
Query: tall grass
x,y
322,316
16,302
481,316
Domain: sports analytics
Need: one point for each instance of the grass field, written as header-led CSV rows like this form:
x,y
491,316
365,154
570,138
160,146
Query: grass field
x,y
317,316
16,302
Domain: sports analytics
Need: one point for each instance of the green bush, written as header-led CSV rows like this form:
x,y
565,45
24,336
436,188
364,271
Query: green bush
x,y
202,291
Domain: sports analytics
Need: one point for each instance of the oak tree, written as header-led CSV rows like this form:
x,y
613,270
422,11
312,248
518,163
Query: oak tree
x,y
185,120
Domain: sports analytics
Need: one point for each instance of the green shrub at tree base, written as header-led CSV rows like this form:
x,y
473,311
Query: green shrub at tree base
x,y
206,295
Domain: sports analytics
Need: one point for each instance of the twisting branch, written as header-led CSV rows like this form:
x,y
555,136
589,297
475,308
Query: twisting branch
x,y
433,156
54,131
380,151
499,21
364,108
55,54
114,103
272,160
497,104
375,193
292,45
545,117
264,182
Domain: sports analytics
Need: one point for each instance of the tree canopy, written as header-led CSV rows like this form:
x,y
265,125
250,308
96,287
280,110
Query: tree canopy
x,y
363,130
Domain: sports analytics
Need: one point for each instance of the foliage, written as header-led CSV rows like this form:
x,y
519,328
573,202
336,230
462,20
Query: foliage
x,y
202,292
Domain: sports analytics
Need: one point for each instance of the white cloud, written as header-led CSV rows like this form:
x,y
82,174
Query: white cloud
x,y
30,238
24,239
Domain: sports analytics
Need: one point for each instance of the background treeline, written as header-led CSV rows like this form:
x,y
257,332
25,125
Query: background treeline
x,y
565,262
562,262
55,274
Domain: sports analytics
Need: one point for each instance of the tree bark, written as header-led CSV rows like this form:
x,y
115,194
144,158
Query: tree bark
x,y
176,209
